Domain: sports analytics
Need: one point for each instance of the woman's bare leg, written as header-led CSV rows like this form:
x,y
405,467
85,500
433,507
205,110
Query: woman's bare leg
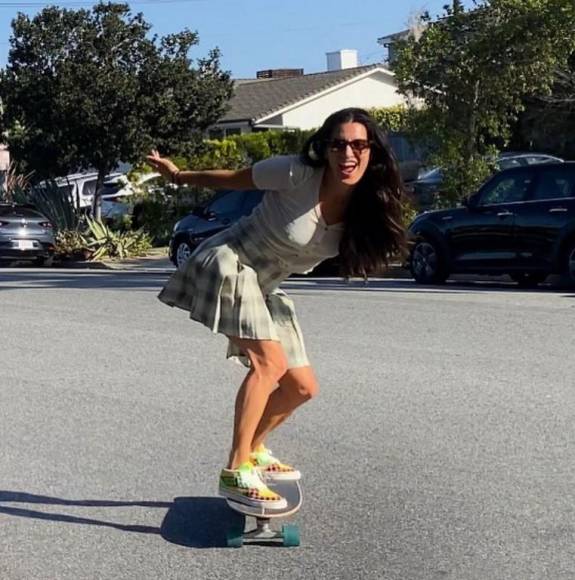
x,y
297,386
268,365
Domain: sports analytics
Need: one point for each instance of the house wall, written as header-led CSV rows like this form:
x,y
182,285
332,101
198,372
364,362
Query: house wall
x,y
377,90
226,129
4,158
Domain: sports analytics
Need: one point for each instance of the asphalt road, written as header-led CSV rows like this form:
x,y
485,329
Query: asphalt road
x,y
441,445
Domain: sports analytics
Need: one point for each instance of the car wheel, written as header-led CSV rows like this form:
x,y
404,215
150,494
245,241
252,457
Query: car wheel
x,y
182,254
427,265
528,279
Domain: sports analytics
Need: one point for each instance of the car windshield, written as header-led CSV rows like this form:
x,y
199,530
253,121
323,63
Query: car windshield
x,y
110,188
227,202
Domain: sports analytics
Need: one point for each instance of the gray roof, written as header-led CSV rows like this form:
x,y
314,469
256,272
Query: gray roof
x,y
256,99
393,37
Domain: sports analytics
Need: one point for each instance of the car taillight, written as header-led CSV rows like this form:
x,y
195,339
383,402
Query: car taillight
x,y
4,224
46,225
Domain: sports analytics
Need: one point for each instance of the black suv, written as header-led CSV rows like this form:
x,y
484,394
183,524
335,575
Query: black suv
x,y
521,222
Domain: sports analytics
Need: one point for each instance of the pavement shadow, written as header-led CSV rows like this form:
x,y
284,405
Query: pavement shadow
x,y
452,286
147,281
198,522
101,280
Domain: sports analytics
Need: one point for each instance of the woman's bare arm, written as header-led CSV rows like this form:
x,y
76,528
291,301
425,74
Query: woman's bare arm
x,y
215,178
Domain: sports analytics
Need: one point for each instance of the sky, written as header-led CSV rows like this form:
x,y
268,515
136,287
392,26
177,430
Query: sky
x,y
262,34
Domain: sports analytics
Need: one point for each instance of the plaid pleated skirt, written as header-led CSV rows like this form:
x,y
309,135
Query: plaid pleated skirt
x,y
230,284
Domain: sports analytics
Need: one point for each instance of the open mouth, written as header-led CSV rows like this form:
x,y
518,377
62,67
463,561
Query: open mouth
x,y
347,169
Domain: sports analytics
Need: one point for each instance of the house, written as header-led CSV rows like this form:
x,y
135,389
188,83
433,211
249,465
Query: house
x,y
4,158
388,42
4,165
288,99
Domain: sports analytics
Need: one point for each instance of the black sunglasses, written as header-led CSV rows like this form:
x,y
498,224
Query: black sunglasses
x,y
340,145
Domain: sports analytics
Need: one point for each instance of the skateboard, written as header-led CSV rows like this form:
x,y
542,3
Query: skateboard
x,y
263,532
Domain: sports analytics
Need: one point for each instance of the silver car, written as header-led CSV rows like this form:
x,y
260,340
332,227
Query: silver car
x,y
25,234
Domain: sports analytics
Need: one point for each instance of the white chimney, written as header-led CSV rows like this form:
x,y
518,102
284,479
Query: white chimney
x,y
341,59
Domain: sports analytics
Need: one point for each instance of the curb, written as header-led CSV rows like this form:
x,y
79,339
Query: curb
x,y
140,266
118,268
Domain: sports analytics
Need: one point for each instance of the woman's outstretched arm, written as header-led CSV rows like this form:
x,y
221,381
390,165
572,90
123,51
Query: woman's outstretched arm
x,y
214,178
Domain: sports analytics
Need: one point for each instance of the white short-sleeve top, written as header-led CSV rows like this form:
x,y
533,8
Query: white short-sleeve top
x,y
289,216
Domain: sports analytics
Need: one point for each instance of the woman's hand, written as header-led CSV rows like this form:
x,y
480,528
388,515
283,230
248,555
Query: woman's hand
x,y
211,178
163,165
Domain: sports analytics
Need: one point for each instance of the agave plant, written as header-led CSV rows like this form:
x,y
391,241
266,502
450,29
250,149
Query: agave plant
x,y
108,243
54,202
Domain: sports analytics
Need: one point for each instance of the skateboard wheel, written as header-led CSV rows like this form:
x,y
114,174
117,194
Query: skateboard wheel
x,y
235,538
290,535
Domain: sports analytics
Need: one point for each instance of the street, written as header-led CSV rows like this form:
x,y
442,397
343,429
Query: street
x,y
440,446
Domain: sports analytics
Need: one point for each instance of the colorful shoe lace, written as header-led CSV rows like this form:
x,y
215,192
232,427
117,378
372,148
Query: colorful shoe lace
x,y
244,485
272,468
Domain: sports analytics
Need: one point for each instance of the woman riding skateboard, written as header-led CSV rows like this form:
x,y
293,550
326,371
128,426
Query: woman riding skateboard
x,y
341,196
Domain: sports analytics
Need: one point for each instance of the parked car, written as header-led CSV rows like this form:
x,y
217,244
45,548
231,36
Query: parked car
x,y
81,187
116,192
427,187
25,234
220,213
521,222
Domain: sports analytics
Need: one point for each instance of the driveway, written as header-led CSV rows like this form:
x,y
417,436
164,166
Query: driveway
x,y
440,445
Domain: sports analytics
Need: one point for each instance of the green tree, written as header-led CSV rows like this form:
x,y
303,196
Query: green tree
x,y
472,71
89,88
548,122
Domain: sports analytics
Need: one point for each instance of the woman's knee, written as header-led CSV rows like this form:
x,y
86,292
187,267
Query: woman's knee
x,y
301,383
308,390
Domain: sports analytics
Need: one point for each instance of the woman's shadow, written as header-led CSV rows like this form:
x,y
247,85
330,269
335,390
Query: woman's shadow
x,y
196,522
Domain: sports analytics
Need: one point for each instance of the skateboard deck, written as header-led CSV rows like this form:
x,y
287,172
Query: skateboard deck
x,y
263,532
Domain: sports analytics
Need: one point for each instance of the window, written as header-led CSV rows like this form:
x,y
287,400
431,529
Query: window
x,y
507,188
556,183
227,203
89,188
110,188
537,159
216,134
508,163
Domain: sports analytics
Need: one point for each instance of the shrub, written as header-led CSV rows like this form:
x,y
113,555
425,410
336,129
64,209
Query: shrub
x,y
107,243
53,202
408,214
238,151
392,119
218,154
157,214
71,244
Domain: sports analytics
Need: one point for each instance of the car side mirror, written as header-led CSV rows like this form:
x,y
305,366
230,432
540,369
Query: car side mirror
x,y
210,215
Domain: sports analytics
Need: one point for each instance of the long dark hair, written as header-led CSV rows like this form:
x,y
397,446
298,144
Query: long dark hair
x,y
374,233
